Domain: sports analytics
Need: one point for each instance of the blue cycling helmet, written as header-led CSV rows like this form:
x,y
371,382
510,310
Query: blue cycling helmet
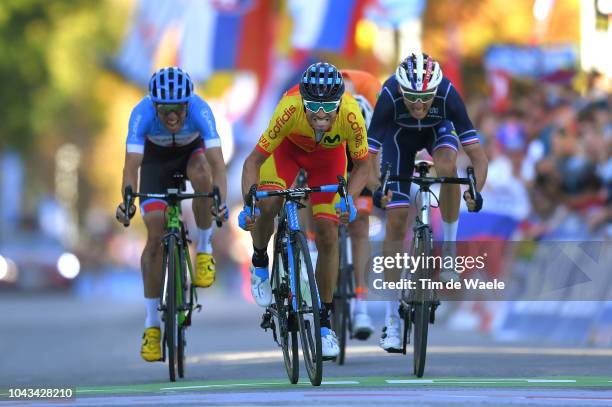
x,y
170,85
322,82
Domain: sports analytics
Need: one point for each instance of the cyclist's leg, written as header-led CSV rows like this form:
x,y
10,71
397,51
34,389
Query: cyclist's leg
x,y
199,173
444,156
361,252
277,172
152,274
158,166
399,150
444,152
324,168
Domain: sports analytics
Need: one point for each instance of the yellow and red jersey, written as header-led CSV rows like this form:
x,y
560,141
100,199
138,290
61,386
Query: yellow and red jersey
x,y
289,122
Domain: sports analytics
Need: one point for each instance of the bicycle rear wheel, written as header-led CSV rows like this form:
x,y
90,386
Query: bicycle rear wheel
x,y
285,318
307,299
341,313
170,323
422,303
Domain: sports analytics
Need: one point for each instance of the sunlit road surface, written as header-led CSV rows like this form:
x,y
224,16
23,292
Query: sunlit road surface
x,y
94,346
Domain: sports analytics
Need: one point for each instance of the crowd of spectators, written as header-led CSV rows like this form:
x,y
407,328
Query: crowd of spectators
x,y
557,143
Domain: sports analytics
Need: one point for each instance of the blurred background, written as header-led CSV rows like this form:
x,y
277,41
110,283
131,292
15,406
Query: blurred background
x,y
536,77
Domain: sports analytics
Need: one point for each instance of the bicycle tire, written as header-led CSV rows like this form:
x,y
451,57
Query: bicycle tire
x,y
182,328
311,344
288,334
170,323
341,301
421,305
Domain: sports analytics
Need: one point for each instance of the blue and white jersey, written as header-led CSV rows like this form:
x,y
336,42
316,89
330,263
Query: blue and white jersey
x,y
145,125
390,114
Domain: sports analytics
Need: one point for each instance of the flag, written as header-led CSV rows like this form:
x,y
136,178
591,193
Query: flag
x,y
325,25
394,13
226,35
149,23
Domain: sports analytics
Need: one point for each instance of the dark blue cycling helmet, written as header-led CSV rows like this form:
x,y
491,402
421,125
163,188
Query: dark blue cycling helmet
x,y
170,85
322,82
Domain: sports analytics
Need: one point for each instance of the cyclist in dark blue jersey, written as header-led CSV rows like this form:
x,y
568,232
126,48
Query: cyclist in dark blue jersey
x,y
171,130
419,108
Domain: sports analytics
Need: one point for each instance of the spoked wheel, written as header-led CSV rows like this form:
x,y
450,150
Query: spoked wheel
x,y
307,299
285,319
422,304
341,315
170,322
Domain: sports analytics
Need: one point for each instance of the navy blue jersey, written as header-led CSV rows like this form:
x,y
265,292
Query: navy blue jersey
x,y
390,114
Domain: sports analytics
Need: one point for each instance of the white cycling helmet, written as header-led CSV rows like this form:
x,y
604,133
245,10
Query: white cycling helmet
x,y
419,73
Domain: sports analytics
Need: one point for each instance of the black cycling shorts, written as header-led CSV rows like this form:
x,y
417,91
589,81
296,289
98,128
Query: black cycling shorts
x,y
159,164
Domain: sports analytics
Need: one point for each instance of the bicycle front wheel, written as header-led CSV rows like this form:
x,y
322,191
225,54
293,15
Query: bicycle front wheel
x,y
422,302
285,318
170,323
182,303
307,299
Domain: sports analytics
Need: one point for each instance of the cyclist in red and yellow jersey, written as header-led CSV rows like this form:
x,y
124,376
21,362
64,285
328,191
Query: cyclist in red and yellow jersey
x,y
311,127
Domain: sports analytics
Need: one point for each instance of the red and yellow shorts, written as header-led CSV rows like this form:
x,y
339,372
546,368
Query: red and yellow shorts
x,y
322,166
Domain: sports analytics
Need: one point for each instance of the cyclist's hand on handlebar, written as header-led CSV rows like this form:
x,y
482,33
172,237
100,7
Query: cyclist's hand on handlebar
x,y
346,215
223,214
473,204
246,219
121,216
380,200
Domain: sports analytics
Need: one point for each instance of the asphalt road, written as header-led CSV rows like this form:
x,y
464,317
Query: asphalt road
x,y
93,346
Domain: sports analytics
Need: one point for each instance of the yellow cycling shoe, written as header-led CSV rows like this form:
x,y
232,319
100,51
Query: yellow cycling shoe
x,y
205,270
151,345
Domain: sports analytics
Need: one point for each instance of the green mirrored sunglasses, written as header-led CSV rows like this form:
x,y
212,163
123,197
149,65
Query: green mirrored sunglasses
x,y
327,107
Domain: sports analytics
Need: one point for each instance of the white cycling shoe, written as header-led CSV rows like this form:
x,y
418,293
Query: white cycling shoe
x,y
260,286
390,339
362,326
329,344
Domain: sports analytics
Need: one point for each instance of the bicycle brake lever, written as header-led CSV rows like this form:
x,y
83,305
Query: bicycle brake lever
x,y
472,179
342,190
217,204
127,203
385,177
251,197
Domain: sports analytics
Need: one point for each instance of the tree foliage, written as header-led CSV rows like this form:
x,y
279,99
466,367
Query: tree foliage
x,y
51,56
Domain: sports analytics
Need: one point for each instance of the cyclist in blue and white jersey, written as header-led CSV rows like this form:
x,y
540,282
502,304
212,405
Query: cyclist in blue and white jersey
x,y
171,130
419,108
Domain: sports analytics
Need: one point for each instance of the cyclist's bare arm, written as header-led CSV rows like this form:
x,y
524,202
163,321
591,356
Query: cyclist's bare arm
x,y
214,156
250,170
130,171
359,177
479,160
374,177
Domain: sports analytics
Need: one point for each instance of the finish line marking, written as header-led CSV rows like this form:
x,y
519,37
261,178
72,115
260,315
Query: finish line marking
x,y
356,382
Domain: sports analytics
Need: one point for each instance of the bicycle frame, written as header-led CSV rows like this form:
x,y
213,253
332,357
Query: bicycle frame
x,y
177,306
289,224
302,296
174,227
